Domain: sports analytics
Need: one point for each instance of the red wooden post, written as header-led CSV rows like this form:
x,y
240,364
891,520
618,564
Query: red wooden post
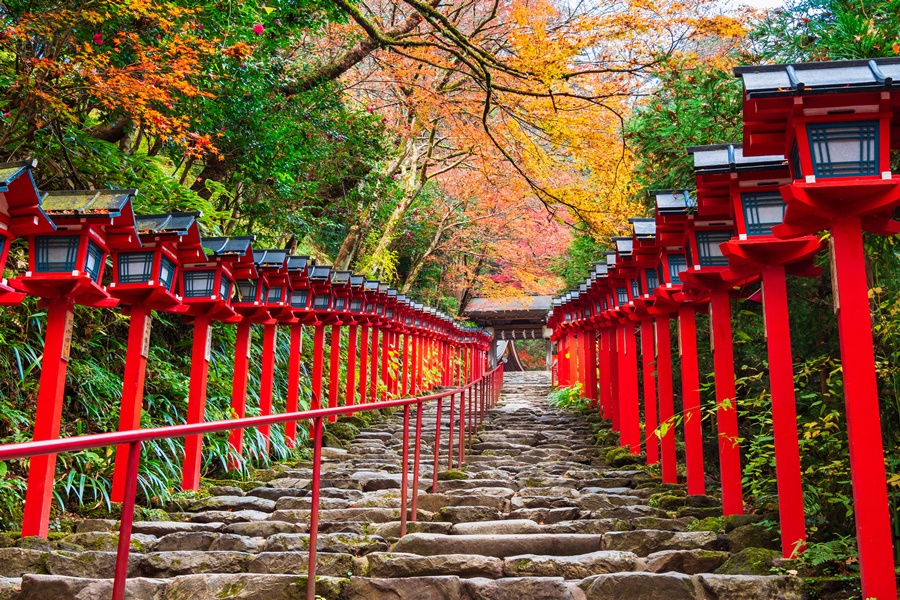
x,y
784,411
196,413
690,394
335,370
129,491
351,366
726,402
450,424
605,374
42,469
363,362
633,422
617,377
437,446
292,402
648,358
318,365
132,391
666,399
591,366
417,454
267,378
873,524
239,385
373,366
405,365
415,367
386,347
461,459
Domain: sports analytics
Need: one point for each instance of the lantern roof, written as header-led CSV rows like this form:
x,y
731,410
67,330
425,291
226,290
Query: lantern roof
x,y
87,203
270,259
229,246
832,77
9,172
320,273
180,225
383,288
610,259
624,246
357,281
674,201
340,278
601,268
22,202
729,158
643,228
297,264
372,286
392,293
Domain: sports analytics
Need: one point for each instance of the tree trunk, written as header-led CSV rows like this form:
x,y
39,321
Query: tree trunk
x,y
420,264
348,248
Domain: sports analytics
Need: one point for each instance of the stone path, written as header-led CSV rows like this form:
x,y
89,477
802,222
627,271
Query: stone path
x,y
539,515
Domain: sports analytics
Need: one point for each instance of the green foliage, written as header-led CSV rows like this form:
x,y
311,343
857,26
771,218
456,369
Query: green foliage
x,y
577,262
568,397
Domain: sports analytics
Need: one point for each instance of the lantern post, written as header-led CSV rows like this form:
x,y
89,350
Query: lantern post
x,y
834,122
320,302
145,280
206,288
340,284
355,317
20,212
69,238
298,271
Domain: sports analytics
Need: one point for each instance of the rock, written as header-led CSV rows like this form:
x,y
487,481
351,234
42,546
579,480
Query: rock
x,y
264,528
657,523
641,586
288,483
290,502
331,564
516,588
109,542
90,564
631,512
468,514
750,561
647,541
163,528
225,490
16,562
172,564
228,517
42,587
89,525
418,588
511,526
333,452
752,536
500,546
392,529
748,587
413,565
204,540
570,567
558,515
10,588
686,561
233,503
732,522
701,501
249,586
273,493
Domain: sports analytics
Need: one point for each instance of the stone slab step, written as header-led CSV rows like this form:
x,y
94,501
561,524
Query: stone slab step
x,y
429,544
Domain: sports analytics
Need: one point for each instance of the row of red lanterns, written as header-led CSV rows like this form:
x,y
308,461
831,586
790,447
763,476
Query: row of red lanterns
x,y
161,262
816,158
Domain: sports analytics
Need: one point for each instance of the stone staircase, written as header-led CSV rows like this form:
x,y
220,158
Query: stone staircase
x,y
537,514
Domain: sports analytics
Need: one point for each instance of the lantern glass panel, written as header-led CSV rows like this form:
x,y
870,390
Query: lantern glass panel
x,y
340,303
198,284
598,308
322,302
677,264
245,291
167,272
708,248
652,279
622,295
568,316
409,320
370,308
762,212
796,165
265,293
418,322
224,288
635,292
298,298
379,309
135,267
274,295
56,254
390,313
356,305
848,149
94,260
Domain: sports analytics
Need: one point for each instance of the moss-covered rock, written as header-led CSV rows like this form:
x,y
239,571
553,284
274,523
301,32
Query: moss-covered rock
x,y
621,457
732,522
667,501
708,524
753,535
450,474
749,561
343,430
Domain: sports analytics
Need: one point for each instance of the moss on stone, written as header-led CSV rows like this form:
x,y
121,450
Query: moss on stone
x,y
667,501
749,561
716,524
450,474
620,457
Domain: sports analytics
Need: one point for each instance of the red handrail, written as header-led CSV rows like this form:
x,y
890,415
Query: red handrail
x,y
483,394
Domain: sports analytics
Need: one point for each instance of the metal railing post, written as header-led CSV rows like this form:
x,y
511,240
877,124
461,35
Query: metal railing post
x,y
450,435
314,509
125,526
404,470
437,446
462,429
416,459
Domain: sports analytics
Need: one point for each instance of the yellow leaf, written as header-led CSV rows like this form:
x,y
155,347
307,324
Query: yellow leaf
x,y
896,47
269,10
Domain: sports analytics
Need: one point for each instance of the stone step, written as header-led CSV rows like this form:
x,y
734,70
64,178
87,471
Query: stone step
x,y
427,544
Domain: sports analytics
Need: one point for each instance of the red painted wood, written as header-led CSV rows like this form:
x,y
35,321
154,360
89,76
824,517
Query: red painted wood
x,y
42,469
591,367
350,394
404,471
267,378
605,374
666,399
129,491
726,403
405,366
784,411
417,457
363,363
314,512
630,417
196,412
386,347
132,392
414,367
318,365
292,402
648,363
616,377
690,400
335,370
239,384
870,499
